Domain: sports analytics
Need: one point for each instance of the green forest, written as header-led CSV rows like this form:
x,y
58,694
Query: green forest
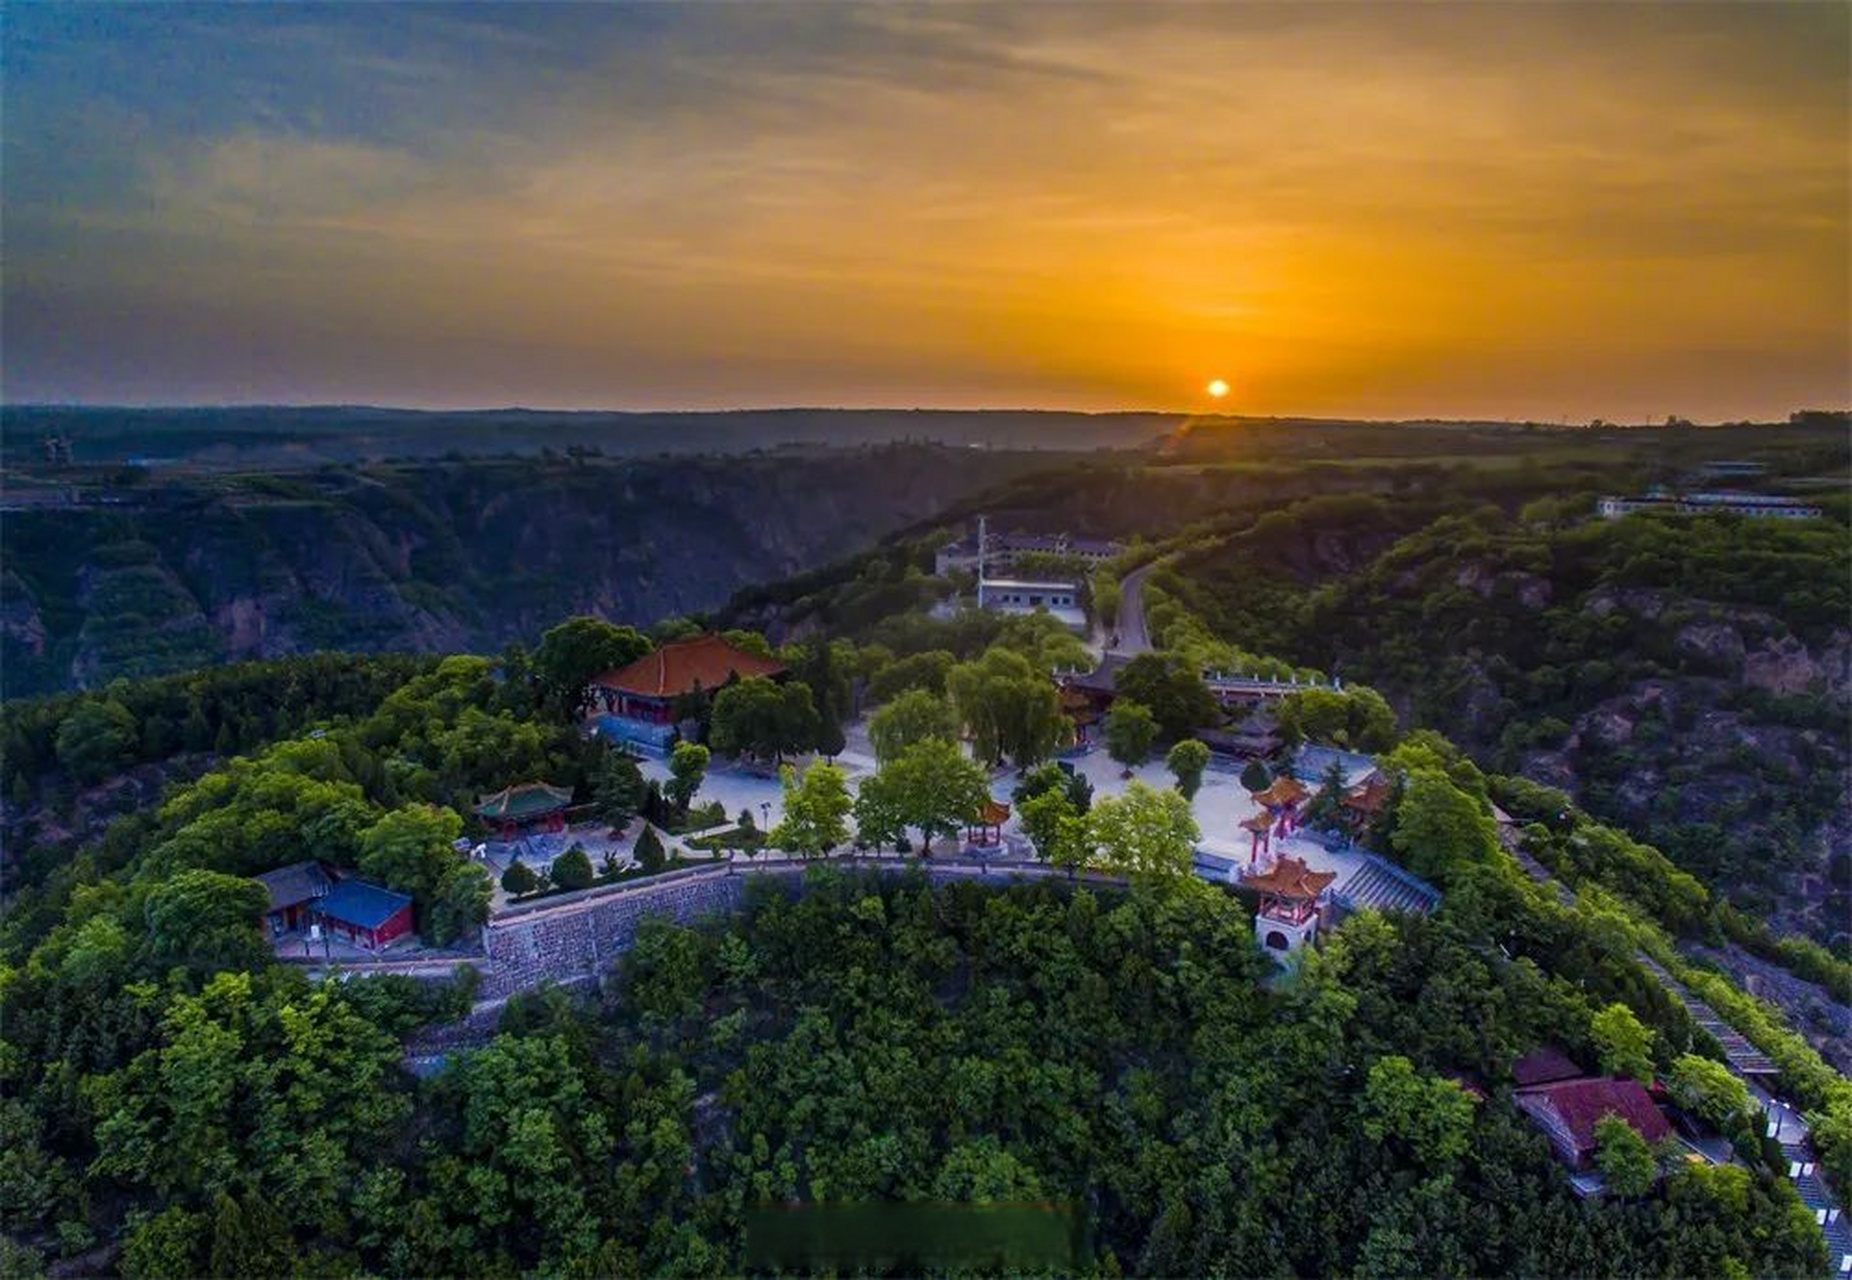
x,y
1110,1057
178,1103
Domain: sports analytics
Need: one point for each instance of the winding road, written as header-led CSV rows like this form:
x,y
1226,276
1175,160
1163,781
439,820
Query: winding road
x,y
1133,636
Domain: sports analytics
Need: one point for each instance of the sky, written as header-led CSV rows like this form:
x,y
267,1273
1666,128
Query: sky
x,y
1511,210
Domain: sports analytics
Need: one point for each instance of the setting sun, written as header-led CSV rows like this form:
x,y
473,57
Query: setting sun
x,y
1218,388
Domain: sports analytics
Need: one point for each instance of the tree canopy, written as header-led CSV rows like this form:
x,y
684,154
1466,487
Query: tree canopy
x,y
1010,706
570,654
1169,686
764,718
911,717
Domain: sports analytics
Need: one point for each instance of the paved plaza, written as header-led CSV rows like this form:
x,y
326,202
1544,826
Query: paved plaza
x,y
1220,805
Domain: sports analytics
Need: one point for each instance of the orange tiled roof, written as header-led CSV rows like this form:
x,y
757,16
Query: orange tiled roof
x,y
994,813
1283,790
677,668
1370,797
1258,822
1291,878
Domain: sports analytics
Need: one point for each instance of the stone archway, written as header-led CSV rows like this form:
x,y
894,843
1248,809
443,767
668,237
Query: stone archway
x,y
1276,941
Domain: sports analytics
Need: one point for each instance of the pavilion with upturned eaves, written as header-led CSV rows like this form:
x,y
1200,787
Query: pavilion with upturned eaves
x,y
1287,918
1259,826
523,808
1282,799
986,830
1364,803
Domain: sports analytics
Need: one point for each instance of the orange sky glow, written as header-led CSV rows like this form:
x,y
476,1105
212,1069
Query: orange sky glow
x,y
1535,211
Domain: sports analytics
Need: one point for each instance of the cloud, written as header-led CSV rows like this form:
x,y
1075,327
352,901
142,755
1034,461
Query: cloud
x,y
1366,208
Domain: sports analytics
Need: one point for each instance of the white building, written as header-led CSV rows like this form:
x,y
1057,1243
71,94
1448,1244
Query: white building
x,y
1005,549
1025,595
1764,506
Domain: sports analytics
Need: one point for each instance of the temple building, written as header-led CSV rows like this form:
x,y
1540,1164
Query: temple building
x,y
1087,695
1364,803
366,915
635,705
1283,799
1567,1111
1287,919
526,807
294,891
1257,737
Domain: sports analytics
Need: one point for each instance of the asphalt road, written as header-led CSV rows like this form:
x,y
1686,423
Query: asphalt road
x,y
1133,637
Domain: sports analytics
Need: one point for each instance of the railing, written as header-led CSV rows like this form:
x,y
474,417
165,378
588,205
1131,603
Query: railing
x,y
1224,681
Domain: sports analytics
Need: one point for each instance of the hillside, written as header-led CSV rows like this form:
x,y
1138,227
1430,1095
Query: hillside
x,y
1118,1052
1688,678
186,570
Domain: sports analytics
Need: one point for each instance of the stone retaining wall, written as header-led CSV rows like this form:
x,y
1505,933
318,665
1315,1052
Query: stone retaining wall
x,y
579,940
582,939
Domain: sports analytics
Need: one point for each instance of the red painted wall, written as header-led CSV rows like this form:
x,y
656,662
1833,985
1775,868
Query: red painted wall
x,y
396,925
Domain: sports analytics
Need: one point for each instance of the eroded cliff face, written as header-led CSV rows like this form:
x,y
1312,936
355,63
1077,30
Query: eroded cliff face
x,y
463,556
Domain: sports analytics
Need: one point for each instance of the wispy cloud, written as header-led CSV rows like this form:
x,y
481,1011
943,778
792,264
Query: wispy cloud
x,y
1455,208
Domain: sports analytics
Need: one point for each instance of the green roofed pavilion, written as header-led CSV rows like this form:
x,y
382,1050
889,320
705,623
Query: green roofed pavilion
x,y
525,804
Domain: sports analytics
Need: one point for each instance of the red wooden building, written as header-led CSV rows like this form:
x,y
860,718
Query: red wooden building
x,y
646,690
294,892
527,806
1568,1110
365,914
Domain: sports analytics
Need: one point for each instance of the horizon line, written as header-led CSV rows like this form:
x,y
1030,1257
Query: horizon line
x,y
483,410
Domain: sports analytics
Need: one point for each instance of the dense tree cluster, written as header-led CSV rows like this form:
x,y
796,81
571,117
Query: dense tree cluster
x,y
80,738
168,1088
882,1039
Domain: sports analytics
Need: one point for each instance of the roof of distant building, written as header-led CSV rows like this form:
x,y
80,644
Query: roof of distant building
x,y
705,661
1103,678
1581,1104
1029,541
1029,584
524,800
1314,760
295,884
994,813
1291,878
1282,791
367,906
1370,797
1544,1066
1257,822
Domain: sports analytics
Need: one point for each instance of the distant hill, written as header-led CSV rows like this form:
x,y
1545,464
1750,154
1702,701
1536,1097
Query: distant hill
x,y
178,571
282,437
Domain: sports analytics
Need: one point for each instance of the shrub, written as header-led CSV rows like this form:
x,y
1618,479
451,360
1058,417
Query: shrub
x,y
573,869
518,879
649,850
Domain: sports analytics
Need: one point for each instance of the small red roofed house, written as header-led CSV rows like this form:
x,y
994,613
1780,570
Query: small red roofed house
x,y
1567,1111
1544,1066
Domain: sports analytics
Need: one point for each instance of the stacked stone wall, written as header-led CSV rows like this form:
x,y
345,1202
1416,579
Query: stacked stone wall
x,y
582,939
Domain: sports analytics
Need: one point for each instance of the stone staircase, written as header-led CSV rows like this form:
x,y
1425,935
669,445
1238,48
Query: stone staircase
x,y
1804,1173
1380,885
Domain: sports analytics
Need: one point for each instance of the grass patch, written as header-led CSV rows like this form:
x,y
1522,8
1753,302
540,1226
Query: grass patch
x,y
747,839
